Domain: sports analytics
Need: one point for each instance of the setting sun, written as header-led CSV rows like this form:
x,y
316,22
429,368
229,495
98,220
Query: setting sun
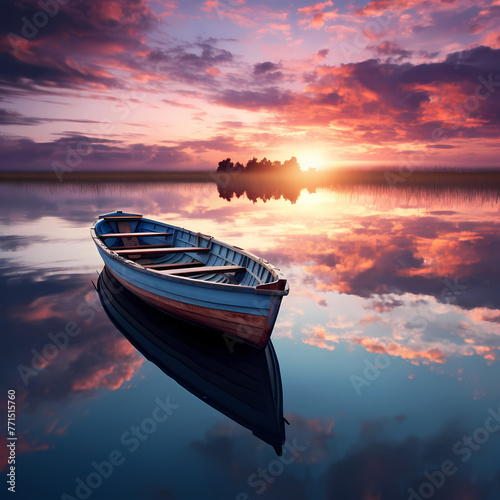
x,y
312,159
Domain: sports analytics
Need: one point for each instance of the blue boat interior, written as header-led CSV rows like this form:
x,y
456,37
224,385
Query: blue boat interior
x,y
171,250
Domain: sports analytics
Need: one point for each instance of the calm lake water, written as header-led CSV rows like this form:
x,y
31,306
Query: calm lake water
x,y
388,347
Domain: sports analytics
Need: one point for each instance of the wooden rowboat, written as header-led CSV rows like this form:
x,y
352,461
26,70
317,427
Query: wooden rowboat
x,y
192,275
242,383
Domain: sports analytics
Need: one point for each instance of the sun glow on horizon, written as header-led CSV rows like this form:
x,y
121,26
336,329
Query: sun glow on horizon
x,y
312,159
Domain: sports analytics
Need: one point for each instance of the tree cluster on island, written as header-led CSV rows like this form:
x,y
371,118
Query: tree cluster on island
x,y
263,179
264,166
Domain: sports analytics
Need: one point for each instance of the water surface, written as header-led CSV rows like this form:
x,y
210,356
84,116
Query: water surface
x,y
388,347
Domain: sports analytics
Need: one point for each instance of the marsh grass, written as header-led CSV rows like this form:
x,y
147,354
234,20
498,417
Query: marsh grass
x,y
457,182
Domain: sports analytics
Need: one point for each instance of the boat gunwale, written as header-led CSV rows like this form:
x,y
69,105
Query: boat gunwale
x,y
134,266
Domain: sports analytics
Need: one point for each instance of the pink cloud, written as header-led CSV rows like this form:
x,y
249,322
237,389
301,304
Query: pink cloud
x,y
377,7
315,17
243,15
123,364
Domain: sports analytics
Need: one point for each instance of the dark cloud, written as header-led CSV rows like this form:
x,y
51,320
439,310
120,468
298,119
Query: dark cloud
x,y
376,466
215,445
12,243
15,118
385,80
268,73
264,67
383,467
385,304
270,98
232,124
331,99
75,152
459,67
61,50
375,429
391,49
442,212
179,104
424,54
397,94
226,448
321,54
218,143
191,63
214,41
46,73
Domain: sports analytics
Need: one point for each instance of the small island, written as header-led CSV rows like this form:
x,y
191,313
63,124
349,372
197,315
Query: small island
x,y
264,179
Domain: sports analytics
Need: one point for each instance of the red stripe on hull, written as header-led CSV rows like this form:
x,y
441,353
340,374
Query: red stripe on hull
x,y
249,328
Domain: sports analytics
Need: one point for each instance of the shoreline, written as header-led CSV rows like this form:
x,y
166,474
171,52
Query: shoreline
x,y
386,177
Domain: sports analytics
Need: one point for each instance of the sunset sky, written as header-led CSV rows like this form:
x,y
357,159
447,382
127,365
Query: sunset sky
x,y
170,85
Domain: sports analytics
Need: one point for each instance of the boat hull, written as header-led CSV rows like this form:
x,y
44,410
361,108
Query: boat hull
x,y
250,328
246,317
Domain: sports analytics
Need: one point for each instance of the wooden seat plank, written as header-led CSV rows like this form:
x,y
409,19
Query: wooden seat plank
x,y
140,247
131,235
173,266
205,269
163,249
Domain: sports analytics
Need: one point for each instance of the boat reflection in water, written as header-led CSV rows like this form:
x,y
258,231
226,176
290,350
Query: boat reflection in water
x,y
240,381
